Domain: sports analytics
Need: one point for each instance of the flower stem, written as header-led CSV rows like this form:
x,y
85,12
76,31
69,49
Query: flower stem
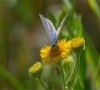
x,y
63,80
59,64
39,78
71,79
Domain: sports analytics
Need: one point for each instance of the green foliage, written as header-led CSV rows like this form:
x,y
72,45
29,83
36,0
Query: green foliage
x,y
17,20
9,77
49,86
74,28
94,6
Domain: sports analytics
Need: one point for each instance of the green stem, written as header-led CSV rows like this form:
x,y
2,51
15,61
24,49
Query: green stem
x,y
39,78
59,64
71,79
5,74
63,80
96,74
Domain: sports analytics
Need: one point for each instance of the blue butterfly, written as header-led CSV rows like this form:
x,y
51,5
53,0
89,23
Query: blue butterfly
x,y
50,29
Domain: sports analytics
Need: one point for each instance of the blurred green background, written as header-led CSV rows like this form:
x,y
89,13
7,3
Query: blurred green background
x,y
22,35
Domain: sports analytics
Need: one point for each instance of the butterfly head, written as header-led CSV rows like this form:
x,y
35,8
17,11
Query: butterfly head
x,y
53,45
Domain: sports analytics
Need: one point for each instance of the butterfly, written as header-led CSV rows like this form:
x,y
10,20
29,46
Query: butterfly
x,y
50,29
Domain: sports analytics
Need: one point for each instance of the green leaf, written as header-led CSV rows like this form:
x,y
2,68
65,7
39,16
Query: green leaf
x,y
73,26
94,6
67,4
79,84
73,75
83,64
91,56
91,53
49,86
8,76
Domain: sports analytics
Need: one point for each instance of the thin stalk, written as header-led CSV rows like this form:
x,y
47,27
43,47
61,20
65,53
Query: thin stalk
x,y
11,79
74,72
63,80
59,65
96,74
39,78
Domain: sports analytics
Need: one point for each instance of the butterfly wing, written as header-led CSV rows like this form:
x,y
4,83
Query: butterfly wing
x,y
61,25
49,28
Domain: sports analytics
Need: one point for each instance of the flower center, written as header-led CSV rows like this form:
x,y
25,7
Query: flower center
x,y
55,51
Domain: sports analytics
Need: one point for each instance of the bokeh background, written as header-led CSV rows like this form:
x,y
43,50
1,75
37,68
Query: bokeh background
x,y
22,35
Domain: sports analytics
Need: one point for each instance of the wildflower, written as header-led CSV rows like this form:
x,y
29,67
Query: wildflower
x,y
35,70
51,54
78,44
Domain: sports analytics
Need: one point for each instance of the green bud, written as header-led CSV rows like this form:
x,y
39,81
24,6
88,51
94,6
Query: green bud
x,y
36,70
68,65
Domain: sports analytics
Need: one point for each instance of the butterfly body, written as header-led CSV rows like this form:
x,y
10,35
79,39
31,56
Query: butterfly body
x,y
52,32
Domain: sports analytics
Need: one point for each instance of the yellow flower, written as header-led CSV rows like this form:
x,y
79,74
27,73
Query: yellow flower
x,y
78,44
35,70
51,54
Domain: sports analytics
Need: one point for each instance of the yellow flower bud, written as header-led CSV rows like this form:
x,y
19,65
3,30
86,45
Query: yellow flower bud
x,y
35,70
78,44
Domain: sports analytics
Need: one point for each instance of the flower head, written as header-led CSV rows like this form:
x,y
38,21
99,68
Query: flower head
x,y
51,54
78,44
35,70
